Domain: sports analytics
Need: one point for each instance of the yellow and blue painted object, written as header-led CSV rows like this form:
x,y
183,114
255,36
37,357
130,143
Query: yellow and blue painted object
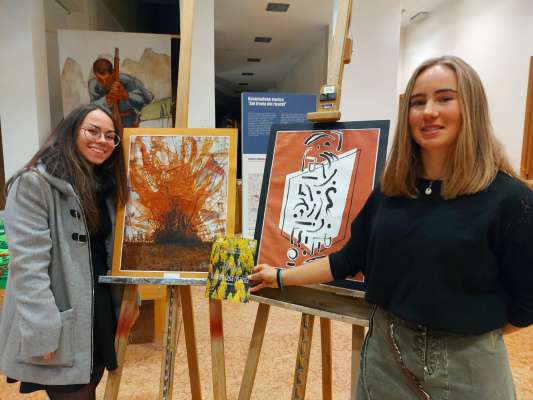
x,y
4,256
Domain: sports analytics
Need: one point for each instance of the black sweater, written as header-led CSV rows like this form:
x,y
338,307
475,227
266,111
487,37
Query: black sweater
x,y
462,266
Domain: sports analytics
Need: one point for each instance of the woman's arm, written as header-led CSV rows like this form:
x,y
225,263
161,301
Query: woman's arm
x,y
30,244
515,242
315,272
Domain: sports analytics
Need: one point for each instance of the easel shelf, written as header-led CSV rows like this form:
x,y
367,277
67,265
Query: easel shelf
x,y
318,303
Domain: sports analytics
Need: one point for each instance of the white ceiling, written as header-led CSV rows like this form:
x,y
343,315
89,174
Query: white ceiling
x,y
238,22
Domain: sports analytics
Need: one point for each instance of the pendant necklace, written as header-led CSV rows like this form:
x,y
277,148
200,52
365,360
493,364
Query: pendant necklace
x,y
428,190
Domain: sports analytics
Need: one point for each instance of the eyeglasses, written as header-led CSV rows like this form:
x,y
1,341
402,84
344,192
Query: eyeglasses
x,y
95,135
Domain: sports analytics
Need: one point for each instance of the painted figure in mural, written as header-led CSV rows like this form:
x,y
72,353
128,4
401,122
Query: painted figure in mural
x,y
58,322
446,248
128,91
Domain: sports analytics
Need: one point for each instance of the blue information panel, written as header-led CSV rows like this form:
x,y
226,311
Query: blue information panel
x,y
261,110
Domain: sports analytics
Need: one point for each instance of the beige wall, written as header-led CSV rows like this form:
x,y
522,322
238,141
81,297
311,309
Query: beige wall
x,y
24,104
370,80
310,72
496,38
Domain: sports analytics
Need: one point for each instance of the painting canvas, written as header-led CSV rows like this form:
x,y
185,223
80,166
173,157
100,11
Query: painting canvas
x,y
317,179
181,186
142,72
232,260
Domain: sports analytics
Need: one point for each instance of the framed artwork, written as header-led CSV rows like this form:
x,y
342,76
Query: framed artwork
x,y
181,185
317,178
140,63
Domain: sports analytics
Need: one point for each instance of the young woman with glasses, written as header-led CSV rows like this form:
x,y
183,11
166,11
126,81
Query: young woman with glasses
x,y
58,323
446,246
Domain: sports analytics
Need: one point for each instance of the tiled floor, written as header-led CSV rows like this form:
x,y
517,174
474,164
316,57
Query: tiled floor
x,y
275,371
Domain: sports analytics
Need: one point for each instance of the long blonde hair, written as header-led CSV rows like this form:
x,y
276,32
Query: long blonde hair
x,y
477,155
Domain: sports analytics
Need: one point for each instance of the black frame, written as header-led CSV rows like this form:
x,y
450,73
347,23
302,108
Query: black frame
x,y
382,125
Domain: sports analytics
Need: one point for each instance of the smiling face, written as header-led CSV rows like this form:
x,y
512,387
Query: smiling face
x,y
95,151
434,110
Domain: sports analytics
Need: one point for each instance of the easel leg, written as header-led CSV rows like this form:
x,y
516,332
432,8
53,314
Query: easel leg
x,y
170,342
358,334
159,319
302,357
250,369
217,349
190,342
125,322
325,344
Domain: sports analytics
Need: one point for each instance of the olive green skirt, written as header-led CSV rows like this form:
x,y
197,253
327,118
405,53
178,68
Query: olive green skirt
x,y
404,361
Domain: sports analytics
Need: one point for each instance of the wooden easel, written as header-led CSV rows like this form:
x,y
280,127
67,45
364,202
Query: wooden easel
x,y
178,289
526,167
323,301
178,293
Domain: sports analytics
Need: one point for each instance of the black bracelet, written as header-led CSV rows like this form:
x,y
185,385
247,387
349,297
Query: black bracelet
x,y
278,277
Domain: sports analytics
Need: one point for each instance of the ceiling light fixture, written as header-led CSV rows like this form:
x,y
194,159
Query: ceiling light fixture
x,y
248,74
243,83
419,16
249,59
277,7
262,39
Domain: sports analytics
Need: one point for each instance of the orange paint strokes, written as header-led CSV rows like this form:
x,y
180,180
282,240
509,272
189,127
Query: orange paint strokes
x,y
179,186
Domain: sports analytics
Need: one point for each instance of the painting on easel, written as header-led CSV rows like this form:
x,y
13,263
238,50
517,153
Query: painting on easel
x,y
317,179
181,195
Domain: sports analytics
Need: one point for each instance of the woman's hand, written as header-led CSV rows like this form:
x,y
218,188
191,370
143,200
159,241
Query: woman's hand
x,y
263,276
48,356
507,329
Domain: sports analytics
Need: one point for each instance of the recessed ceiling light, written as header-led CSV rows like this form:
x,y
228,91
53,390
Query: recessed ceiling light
x,y
243,83
248,73
279,7
250,59
262,39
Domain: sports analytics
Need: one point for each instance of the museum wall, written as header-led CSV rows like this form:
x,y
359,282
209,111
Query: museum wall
x,y
496,38
370,80
24,104
310,71
202,86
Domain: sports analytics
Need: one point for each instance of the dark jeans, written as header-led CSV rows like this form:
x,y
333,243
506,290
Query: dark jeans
x,y
77,392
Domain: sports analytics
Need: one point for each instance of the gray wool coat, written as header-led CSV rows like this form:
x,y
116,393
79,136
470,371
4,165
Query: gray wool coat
x,y
49,295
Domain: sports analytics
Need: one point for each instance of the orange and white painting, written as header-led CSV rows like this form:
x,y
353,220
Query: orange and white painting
x,y
181,195
317,179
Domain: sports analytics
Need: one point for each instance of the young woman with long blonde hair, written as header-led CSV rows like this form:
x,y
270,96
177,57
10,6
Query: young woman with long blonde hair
x,y
446,246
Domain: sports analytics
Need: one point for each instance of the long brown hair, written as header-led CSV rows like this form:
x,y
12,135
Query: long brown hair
x,y
63,160
477,155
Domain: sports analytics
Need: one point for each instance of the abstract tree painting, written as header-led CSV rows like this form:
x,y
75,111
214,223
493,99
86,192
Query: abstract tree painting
x,y
181,195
